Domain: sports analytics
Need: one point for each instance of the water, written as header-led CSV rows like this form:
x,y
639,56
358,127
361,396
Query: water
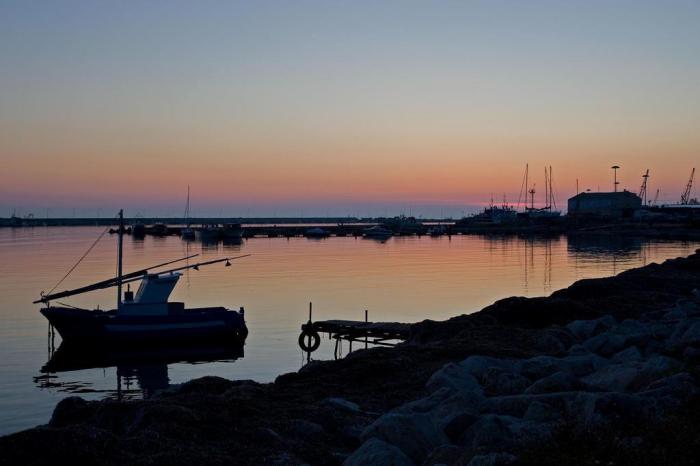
x,y
403,279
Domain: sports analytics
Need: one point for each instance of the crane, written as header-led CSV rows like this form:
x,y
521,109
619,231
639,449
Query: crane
x,y
656,198
643,189
685,197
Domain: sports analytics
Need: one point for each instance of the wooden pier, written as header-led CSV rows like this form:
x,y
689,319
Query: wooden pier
x,y
363,332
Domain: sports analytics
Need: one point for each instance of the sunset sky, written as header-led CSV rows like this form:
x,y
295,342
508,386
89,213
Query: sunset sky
x,y
360,108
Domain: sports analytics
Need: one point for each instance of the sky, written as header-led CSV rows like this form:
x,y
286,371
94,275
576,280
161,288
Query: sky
x,y
340,107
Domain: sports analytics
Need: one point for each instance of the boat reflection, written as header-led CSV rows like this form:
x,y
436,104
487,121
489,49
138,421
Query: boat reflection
x,y
140,371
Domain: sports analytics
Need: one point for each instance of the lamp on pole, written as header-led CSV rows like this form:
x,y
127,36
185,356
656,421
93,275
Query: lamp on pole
x,y
615,183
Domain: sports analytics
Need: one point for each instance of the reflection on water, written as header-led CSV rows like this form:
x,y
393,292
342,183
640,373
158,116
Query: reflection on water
x,y
404,279
139,372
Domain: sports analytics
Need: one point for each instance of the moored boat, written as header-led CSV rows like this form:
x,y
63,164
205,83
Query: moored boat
x,y
377,232
146,316
232,232
210,233
316,232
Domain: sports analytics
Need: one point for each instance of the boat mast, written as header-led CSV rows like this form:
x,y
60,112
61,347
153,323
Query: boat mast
x,y
187,207
546,189
120,245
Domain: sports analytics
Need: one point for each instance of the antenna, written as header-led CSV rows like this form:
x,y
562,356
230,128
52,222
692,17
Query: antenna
x,y
615,183
685,197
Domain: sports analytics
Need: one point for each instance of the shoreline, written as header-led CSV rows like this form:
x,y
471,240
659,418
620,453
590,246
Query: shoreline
x,y
321,414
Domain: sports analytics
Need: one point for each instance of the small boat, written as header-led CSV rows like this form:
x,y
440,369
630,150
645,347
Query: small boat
x,y
437,230
138,230
158,229
378,232
210,233
232,232
145,317
316,233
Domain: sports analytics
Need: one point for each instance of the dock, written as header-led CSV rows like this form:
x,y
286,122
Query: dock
x,y
363,332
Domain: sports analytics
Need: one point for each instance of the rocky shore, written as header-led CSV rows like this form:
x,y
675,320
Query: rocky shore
x,y
603,372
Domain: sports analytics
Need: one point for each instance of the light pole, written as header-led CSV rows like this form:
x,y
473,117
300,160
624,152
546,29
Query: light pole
x,y
615,183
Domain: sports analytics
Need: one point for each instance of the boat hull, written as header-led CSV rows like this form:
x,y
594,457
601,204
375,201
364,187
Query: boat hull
x,y
204,324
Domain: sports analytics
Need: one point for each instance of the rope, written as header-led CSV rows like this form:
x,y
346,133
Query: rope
x,y
79,260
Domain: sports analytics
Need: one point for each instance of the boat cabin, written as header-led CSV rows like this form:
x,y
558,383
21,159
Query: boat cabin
x,y
151,298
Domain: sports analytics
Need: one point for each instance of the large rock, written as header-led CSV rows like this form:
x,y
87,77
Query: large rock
x,y
375,452
490,433
71,410
558,382
692,335
342,404
541,366
581,365
497,381
493,459
454,377
691,355
615,378
517,405
542,412
414,434
631,354
585,329
613,407
582,408
670,392
443,405
445,454
606,344
555,340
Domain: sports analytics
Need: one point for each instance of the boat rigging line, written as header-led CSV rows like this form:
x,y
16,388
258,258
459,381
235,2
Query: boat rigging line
x,y
133,276
78,262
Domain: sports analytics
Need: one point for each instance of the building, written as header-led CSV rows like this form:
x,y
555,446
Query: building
x,y
616,205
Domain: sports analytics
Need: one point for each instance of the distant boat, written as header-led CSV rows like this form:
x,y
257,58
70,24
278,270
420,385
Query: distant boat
x,y
158,229
437,230
232,232
145,317
138,230
377,232
187,233
210,233
316,233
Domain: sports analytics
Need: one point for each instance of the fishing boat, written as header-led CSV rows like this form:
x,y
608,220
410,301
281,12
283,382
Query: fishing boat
x,y
145,317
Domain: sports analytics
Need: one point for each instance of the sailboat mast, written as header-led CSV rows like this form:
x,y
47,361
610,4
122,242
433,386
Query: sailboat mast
x,y
120,245
187,207
546,189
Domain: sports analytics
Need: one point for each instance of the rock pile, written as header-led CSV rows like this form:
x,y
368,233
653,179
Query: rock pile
x,y
482,410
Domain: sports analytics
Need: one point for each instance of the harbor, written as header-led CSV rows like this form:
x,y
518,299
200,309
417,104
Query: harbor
x,y
305,415
350,233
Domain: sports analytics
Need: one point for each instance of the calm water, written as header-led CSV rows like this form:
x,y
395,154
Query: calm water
x,y
404,279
